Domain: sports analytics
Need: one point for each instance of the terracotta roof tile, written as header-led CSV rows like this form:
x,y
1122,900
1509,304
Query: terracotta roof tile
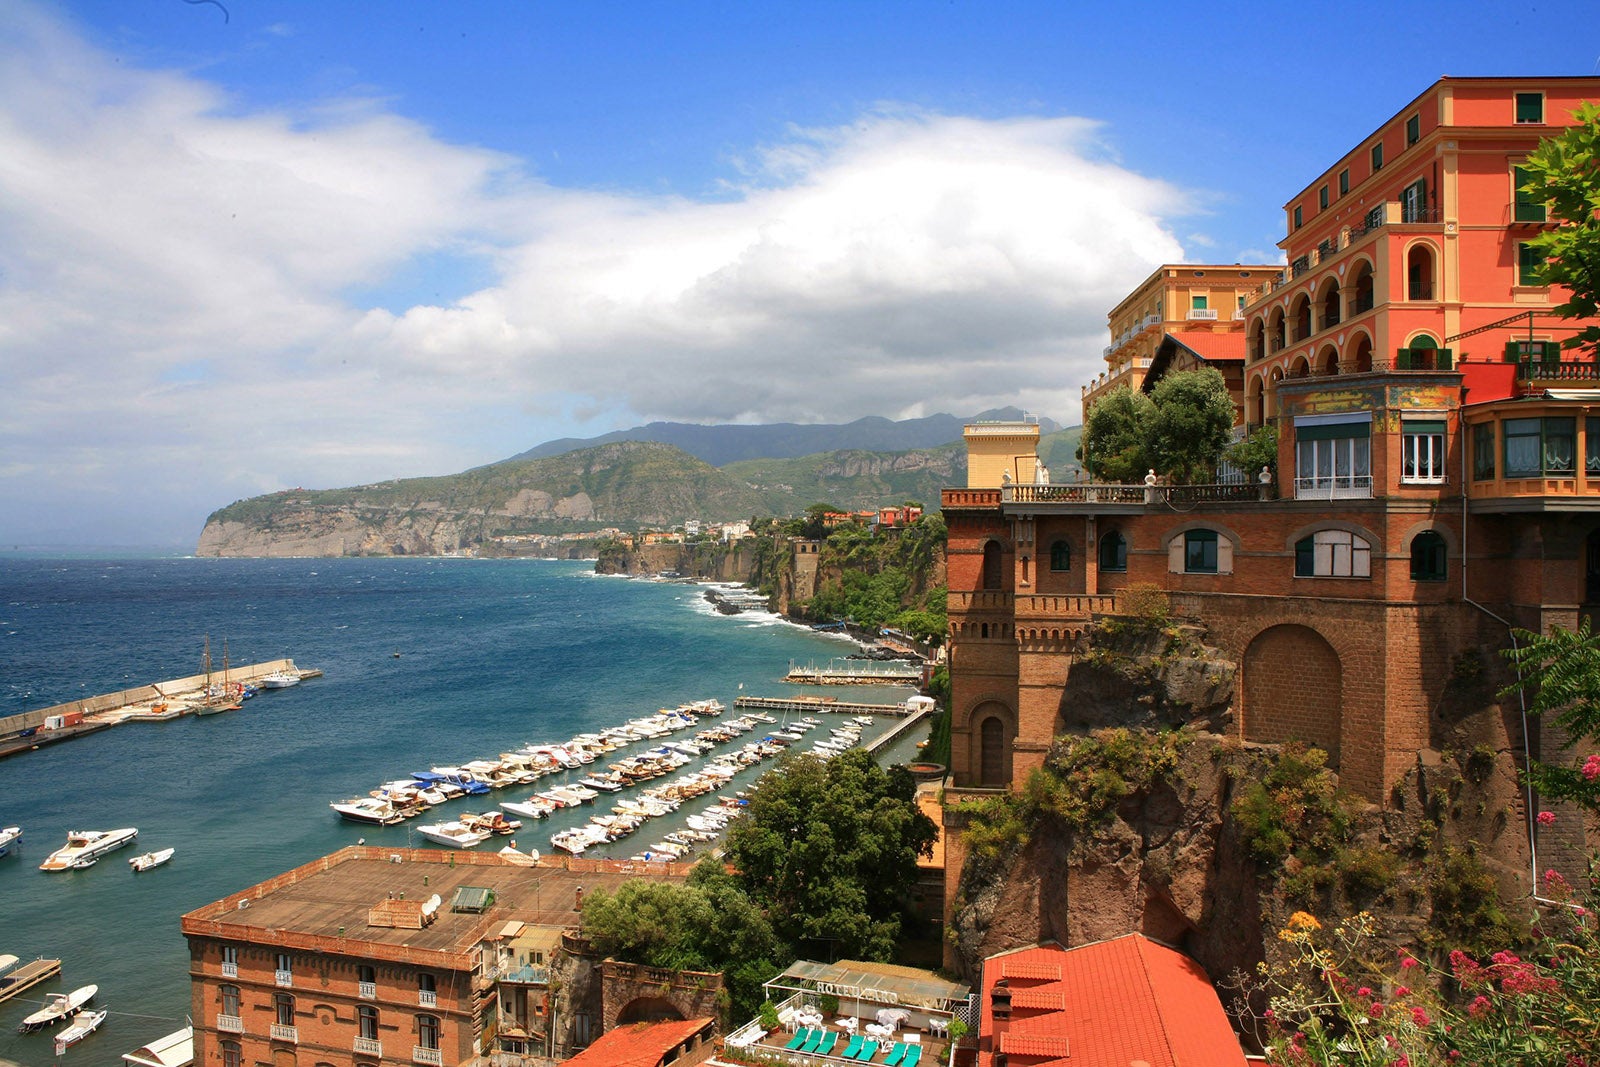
x,y
637,1044
1015,1044
1047,997
1212,345
1024,965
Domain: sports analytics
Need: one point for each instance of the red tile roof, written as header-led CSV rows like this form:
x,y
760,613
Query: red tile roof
x,y
1046,998
1212,345
1122,1000
637,1044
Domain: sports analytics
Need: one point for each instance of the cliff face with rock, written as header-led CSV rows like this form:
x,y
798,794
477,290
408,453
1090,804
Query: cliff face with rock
x,y
1144,819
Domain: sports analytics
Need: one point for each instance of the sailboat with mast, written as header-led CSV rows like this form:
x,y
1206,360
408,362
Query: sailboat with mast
x,y
217,698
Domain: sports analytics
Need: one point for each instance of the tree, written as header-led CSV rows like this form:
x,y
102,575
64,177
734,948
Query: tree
x,y
1193,418
1564,171
1259,449
1558,674
1116,436
829,849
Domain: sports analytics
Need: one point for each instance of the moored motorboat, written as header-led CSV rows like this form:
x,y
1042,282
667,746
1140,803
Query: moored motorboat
x,y
533,807
278,680
9,836
83,1024
151,859
372,810
453,834
83,847
58,1006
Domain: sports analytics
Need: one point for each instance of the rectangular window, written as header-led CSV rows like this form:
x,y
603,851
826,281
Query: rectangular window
x,y
1530,107
1591,447
1377,157
1413,130
427,1031
1529,207
1530,264
1535,447
232,1054
1299,219
230,999
1483,451
1333,554
367,1022
1333,461
1200,552
1197,303
283,1009
1414,201
1422,451
1322,198
1344,181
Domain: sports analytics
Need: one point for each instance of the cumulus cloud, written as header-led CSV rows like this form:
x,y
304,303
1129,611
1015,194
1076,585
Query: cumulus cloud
x,y
178,280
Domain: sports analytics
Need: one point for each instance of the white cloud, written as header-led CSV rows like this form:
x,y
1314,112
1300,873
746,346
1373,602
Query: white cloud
x,y
176,271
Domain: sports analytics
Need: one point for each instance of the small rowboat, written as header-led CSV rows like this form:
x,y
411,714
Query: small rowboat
x,y
83,1024
151,859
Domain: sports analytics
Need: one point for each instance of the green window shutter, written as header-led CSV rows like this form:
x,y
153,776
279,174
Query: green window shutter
x,y
1530,107
1402,359
1529,207
1552,351
1423,426
1444,359
1337,432
1513,352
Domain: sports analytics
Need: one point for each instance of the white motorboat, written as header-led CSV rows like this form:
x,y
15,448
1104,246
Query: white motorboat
x,y
58,1006
83,847
83,1024
533,807
371,810
9,836
278,680
453,835
151,859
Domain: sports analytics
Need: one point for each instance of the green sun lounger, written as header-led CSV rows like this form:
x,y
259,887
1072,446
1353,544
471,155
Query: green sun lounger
x,y
853,1047
829,1040
868,1050
896,1054
913,1054
800,1037
814,1040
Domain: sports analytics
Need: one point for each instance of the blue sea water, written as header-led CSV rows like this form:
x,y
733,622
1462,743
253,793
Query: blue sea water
x,y
491,654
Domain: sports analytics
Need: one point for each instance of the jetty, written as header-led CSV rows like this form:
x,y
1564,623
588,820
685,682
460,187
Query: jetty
x,y
890,673
156,702
27,976
811,705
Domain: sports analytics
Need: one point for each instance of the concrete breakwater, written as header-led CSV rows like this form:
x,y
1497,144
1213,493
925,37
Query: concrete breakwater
x,y
155,702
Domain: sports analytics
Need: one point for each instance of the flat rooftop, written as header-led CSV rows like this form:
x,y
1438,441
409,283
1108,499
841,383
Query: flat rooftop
x,y
324,904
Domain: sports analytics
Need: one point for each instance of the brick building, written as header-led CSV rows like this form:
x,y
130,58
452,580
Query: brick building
x,y
373,955
1423,501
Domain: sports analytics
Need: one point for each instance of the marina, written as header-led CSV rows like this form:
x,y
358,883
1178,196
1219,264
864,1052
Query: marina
x,y
495,656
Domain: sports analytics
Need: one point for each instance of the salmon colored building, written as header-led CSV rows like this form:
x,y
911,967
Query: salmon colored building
x,y
1438,475
1108,1004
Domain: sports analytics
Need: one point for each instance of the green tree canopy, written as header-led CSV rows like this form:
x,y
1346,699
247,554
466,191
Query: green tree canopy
x,y
1564,171
829,849
1115,436
1192,421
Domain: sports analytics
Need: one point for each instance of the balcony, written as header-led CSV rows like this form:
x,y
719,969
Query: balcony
x,y
1333,487
427,998
369,1046
230,1024
230,970
1205,314
291,1034
283,978
429,1056
367,990
1534,370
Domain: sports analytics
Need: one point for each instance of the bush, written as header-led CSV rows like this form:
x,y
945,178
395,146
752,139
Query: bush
x,y
1296,809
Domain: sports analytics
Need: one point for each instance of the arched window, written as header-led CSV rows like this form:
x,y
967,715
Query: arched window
x,y
1428,557
992,759
232,1055
428,1031
1061,556
1419,273
1365,291
367,1022
1113,552
1330,305
1333,554
991,565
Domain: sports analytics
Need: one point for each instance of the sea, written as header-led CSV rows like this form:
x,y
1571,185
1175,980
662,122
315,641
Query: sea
x,y
426,661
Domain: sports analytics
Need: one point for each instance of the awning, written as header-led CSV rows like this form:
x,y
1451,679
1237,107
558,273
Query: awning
x,y
174,1050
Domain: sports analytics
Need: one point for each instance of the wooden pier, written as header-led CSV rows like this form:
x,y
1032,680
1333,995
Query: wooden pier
x,y
27,976
810,704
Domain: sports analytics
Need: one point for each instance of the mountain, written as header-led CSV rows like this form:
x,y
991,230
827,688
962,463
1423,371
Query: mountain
x,y
721,445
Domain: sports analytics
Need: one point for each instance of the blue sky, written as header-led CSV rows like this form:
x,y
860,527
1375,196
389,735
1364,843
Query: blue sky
x,y
324,244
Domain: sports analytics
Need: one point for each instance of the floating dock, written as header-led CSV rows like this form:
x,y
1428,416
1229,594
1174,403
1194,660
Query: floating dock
x,y
27,976
809,704
898,674
147,703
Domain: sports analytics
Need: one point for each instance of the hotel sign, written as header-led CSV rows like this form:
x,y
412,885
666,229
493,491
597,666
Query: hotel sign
x,y
855,992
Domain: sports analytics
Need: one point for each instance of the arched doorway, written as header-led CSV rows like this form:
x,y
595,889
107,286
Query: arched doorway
x,y
993,574
993,731
1293,689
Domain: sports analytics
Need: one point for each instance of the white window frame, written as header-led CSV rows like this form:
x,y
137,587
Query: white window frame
x,y
1338,554
1422,455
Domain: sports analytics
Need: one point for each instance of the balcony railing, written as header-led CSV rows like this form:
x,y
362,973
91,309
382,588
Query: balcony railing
x,y
1539,370
367,990
427,998
230,1024
370,1046
1090,493
230,970
1202,313
1334,487
429,1056
291,1034
283,978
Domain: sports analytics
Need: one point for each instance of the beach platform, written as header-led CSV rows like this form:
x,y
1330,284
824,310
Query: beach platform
x,y
27,976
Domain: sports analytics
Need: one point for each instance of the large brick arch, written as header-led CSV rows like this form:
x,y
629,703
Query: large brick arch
x,y
1293,689
993,730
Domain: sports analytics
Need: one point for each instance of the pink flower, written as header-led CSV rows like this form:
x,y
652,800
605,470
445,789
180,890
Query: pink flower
x,y
1479,1007
1591,768
1363,992
1420,1017
1408,961
1547,818
1376,1009
1402,991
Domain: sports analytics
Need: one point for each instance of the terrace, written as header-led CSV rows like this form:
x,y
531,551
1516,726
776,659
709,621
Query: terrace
x,y
1102,498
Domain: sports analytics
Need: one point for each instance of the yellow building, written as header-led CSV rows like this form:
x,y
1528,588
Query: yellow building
x,y
1177,297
